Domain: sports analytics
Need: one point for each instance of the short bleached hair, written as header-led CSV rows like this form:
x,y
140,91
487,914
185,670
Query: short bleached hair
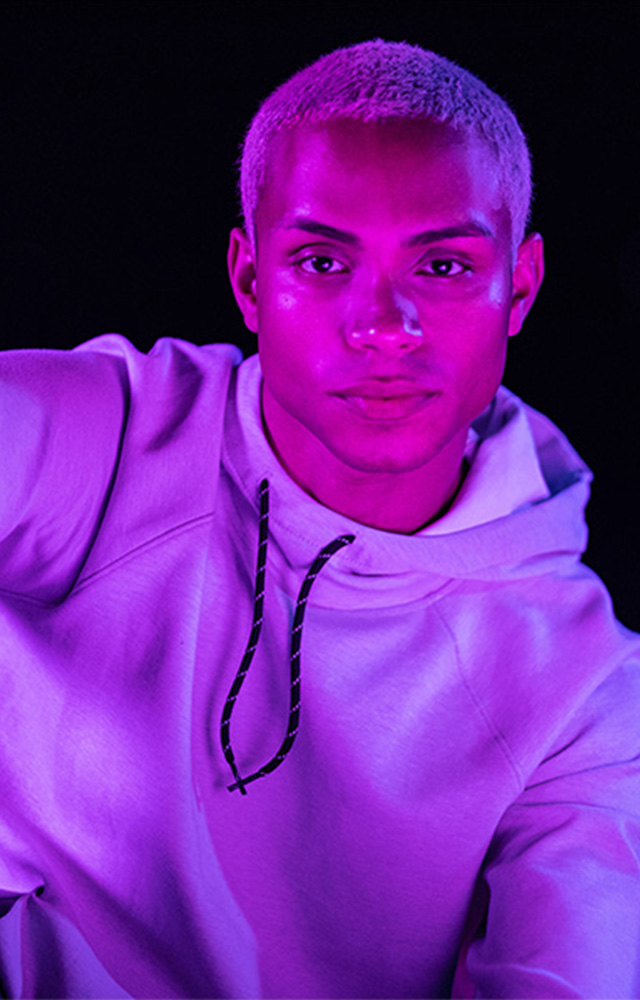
x,y
376,80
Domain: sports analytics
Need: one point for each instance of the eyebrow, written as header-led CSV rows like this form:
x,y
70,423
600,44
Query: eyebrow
x,y
449,233
428,236
320,229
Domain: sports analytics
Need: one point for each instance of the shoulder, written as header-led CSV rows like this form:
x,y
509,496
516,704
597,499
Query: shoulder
x,y
100,426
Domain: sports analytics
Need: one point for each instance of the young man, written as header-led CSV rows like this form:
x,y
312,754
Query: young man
x,y
305,690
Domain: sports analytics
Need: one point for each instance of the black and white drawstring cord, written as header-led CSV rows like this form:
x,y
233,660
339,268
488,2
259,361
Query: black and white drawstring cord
x,y
296,637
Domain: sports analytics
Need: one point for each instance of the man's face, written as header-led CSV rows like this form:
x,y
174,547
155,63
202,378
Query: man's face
x,y
383,293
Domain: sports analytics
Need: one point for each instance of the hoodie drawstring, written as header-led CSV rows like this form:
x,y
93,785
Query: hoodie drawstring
x,y
296,638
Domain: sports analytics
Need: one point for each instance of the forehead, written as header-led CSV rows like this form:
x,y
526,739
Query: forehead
x,y
392,172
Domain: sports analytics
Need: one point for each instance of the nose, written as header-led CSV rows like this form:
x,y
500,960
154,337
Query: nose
x,y
382,319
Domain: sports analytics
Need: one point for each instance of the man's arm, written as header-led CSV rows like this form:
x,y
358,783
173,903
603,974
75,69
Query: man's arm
x,y
562,877
61,422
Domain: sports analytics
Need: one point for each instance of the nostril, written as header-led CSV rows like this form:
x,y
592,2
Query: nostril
x,y
402,335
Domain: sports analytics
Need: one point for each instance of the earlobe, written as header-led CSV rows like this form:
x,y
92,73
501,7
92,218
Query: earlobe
x,y
242,275
528,273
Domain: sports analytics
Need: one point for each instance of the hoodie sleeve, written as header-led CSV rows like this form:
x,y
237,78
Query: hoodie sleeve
x,y
562,877
62,416
104,449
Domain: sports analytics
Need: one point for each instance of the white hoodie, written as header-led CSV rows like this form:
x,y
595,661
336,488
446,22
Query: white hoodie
x,y
459,807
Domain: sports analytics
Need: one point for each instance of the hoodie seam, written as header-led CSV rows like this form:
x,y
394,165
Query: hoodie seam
x,y
159,539
183,528
496,733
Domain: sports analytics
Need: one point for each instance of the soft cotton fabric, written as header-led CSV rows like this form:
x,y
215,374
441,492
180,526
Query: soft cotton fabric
x,y
460,810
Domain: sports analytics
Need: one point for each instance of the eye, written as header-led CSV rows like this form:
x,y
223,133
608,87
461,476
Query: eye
x,y
442,268
319,264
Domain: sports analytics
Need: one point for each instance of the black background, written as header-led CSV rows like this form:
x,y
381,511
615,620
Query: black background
x,y
121,122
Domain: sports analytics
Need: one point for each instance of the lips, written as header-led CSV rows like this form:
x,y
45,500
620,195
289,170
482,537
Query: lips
x,y
385,399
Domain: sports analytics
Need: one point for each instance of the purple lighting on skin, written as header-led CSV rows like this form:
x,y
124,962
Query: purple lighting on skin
x,y
406,313
409,313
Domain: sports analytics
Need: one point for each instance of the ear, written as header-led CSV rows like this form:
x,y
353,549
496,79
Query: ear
x,y
528,273
241,261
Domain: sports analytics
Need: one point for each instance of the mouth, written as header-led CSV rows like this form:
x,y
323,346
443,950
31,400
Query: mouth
x,y
385,401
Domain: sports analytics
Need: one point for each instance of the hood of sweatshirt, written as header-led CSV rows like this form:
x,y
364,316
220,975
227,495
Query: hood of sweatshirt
x,y
519,513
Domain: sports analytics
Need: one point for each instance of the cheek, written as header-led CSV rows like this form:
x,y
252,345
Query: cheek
x,y
470,347
467,330
285,304
281,309
485,370
499,292
299,334
287,352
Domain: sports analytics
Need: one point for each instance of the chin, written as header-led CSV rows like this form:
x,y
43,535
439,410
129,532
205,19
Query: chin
x,y
384,462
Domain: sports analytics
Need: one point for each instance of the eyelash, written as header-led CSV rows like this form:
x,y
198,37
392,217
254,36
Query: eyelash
x,y
445,260
316,257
